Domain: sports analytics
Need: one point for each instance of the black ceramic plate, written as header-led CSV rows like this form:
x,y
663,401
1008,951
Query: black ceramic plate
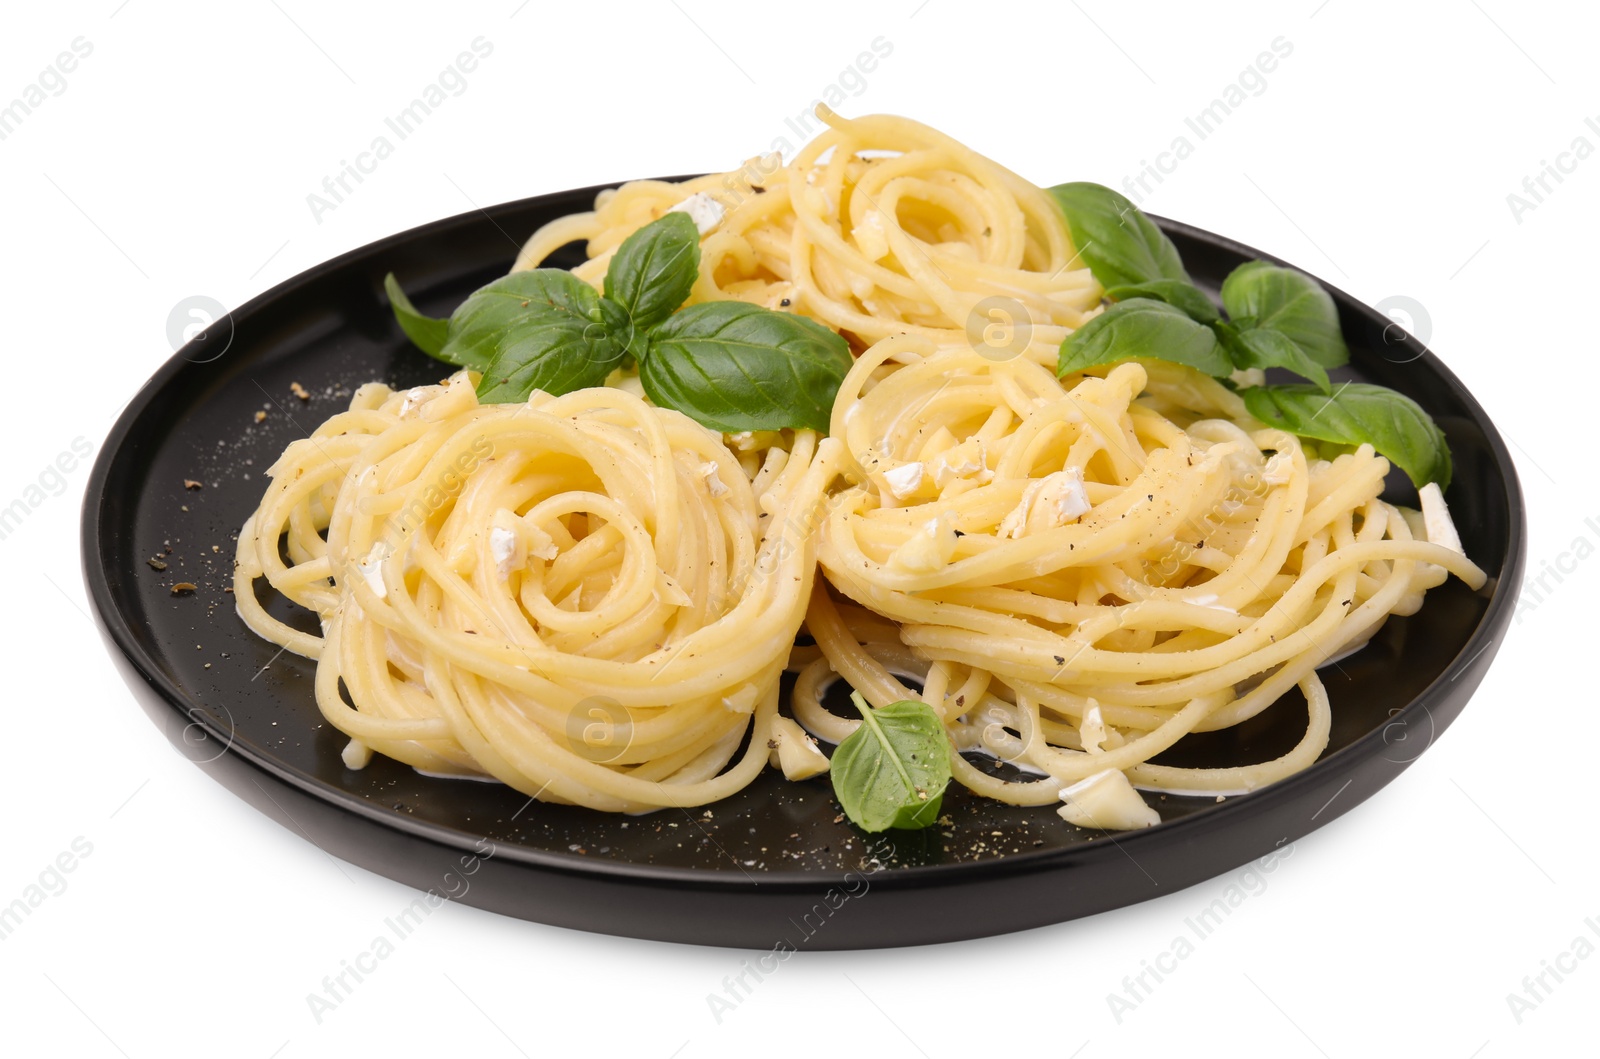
x,y
775,864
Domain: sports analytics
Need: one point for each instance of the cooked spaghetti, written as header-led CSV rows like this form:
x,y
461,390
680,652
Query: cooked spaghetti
x,y
592,599
1078,580
879,227
558,595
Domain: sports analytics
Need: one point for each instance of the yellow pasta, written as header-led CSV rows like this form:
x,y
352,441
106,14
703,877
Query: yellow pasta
x,y
583,597
592,599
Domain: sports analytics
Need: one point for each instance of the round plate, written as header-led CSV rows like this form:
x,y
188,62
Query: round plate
x,y
776,865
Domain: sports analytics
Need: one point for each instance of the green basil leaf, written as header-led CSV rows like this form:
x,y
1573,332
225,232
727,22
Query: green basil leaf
x,y
1291,303
654,269
1266,347
1390,422
1120,245
1143,327
1175,292
543,329
427,333
893,769
733,366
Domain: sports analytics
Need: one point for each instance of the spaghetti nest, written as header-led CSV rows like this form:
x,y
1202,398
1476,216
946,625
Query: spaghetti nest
x,y
880,226
584,597
1078,580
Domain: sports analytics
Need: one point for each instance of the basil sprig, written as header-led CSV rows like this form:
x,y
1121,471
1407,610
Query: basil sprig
x,y
893,769
1276,318
728,365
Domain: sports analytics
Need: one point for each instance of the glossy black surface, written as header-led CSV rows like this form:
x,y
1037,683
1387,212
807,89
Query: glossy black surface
x,y
774,863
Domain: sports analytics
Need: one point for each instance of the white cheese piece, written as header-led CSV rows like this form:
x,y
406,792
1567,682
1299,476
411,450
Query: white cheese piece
x,y
1436,518
1065,492
705,211
1279,469
371,569
540,544
1016,521
708,471
743,700
356,754
871,237
904,479
961,461
503,546
505,543
927,550
796,752
1054,500
1107,801
414,399
1092,729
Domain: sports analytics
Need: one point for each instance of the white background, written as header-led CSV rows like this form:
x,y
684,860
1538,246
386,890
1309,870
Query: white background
x,y
1379,156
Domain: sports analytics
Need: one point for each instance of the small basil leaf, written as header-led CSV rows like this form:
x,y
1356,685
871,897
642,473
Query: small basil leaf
x,y
1291,303
543,329
1120,245
654,269
1143,327
1266,347
427,333
733,366
1175,292
893,769
1359,413
619,327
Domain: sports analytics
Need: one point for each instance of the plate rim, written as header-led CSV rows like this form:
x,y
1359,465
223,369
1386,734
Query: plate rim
x,y
1228,814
